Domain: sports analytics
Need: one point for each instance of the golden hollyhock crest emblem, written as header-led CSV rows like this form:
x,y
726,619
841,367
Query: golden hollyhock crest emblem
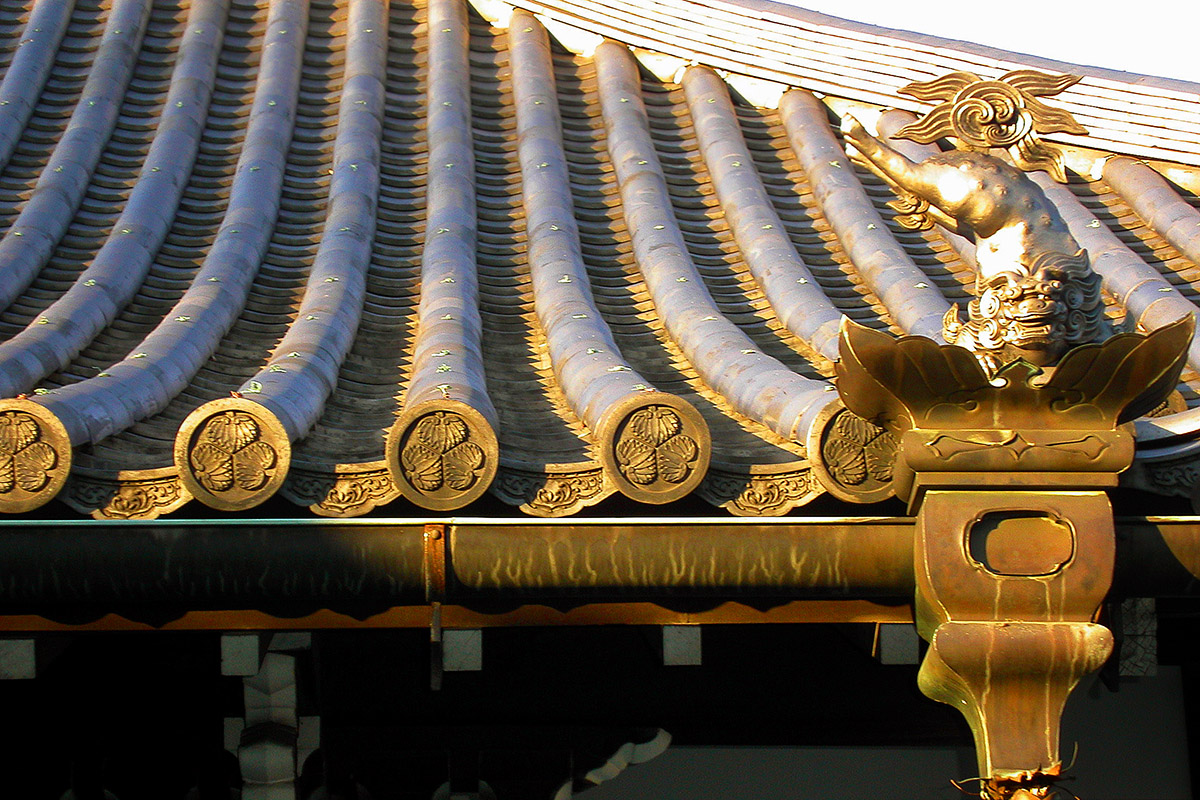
x,y
653,447
438,454
231,453
25,460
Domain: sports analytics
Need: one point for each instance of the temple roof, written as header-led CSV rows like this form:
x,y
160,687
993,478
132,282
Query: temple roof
x,y
364,254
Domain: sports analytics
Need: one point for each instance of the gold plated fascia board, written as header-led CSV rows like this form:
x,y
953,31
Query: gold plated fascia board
x,y
455,616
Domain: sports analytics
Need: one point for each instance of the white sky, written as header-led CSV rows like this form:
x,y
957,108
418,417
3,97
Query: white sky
x,y
1152,37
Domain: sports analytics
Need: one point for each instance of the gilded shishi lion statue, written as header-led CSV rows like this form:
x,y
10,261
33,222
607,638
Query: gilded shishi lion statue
x,y
1036,295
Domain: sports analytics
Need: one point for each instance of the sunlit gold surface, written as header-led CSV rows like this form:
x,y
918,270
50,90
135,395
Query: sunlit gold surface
x,y
984,114
1015,542
1036,295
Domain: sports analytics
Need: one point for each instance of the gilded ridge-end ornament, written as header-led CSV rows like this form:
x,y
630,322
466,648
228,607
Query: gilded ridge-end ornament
x,y
35,455
654,447
1009,436
442,454
982,114
1036,294
232,454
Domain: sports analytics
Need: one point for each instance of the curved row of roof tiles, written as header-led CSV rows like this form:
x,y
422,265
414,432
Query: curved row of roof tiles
x,y
361,252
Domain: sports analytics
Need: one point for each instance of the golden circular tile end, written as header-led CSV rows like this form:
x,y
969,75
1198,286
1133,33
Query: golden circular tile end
x,y
852,457
232,454
35,455
655,447
442,454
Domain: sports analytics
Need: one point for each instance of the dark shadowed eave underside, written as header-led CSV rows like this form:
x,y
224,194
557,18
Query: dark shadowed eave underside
x,y
373,572
366,253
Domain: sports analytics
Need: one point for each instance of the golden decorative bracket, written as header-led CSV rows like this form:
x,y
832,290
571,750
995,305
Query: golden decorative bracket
x,y
1015,541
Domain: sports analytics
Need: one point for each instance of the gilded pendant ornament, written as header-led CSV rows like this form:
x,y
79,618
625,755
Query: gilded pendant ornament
x,y
1015,543
982,114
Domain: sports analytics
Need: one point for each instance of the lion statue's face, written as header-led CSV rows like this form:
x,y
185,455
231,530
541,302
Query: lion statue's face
x,y
1036,316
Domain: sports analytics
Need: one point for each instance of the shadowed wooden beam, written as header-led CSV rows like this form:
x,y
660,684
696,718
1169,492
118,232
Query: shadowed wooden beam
x,y
362,567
